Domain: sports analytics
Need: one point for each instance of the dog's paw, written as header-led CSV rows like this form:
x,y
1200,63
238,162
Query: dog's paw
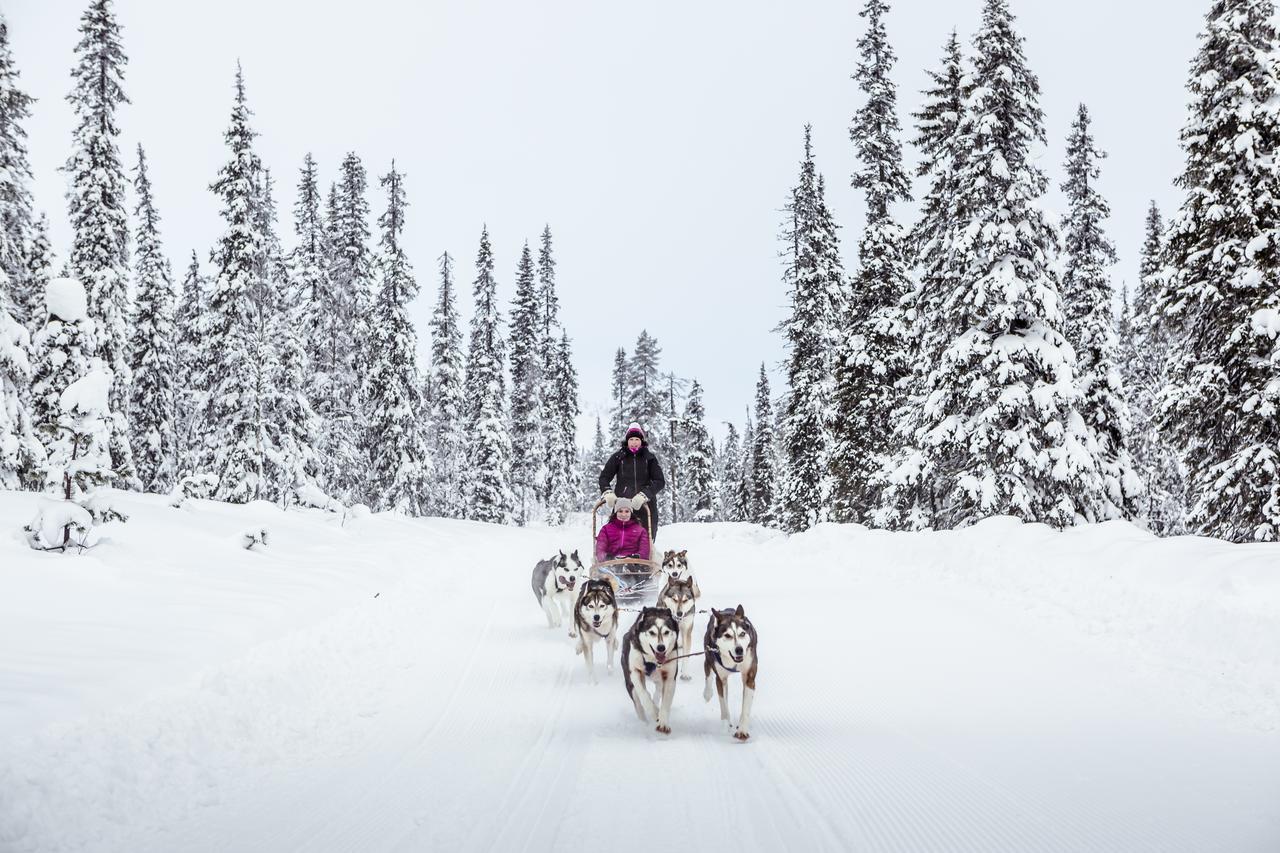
x,y
573,634
661,729
686,678
741,735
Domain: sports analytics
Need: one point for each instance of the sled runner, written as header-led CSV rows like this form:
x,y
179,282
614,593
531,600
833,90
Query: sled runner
x,y
636,577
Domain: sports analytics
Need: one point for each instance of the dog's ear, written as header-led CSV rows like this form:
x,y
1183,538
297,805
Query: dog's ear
x,y
666,555
739,612
575,556
562,555
613,585
682,553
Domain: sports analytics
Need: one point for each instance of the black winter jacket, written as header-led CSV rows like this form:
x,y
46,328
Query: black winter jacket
x,y
638,472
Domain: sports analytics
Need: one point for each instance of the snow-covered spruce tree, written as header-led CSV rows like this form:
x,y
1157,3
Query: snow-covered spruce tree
x,y
566,491
729,474
64,348
152,348
290,428
620,394
558,479
997,430
448,405
1221,403
486,479
674,448
647,392
350,279
743,499
528,382
40,260
233,444
1144,363
593,464
400,476
20,450
308,270
188,353
875,356
813,278
16,227
96,201
699,475
1087,292
763,475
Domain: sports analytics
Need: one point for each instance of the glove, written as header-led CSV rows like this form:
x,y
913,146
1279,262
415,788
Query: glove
x,y
638,501
609,498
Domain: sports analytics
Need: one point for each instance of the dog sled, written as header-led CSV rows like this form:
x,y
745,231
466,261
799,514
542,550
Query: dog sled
x,y
635,577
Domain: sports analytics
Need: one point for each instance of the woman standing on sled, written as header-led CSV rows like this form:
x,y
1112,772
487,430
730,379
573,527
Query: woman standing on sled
x,y
639,477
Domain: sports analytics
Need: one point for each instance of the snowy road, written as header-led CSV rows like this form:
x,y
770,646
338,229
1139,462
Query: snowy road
x,y
891,715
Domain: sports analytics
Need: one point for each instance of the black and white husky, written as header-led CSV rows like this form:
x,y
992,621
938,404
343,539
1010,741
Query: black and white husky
x,y
681,598
731,647
596,616
554,580
648,651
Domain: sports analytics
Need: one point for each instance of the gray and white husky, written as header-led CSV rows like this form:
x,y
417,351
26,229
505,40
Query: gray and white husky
x,y
681,598
648,651
554,580
675,565
596,617
730,646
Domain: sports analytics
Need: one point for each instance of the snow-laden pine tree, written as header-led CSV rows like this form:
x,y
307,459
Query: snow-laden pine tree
x,y
815,287
560,481
73,387
20,450
620,395
673,447
875,355
290,427
995,428
763,474
64,348
343,329
96,202
528,382
1090,329
353,261
486,479
593,464
1221,403
729,475
1145,362
153,409
308,272
400,475
16,226
231,368
700,484
448,402
40,260
566,491
937,140
647,392
743,500
189,352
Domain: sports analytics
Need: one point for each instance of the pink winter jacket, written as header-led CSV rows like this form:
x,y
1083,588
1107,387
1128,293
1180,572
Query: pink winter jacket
x,y
622,539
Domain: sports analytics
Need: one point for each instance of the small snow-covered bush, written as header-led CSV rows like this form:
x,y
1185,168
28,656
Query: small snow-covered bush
x,y
59,525
192,486
254,536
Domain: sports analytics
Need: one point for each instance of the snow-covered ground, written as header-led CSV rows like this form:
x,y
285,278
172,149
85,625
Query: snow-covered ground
x,y
382,683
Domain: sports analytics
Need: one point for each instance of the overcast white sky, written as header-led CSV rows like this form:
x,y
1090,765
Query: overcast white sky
x,y
659,140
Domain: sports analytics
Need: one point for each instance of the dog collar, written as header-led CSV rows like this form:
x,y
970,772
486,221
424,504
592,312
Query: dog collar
x,y
596,631
720,660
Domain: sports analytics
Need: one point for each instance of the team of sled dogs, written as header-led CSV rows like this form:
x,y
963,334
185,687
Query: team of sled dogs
x,y
657,641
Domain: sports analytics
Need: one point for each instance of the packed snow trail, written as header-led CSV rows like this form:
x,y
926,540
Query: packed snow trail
x,y
898,709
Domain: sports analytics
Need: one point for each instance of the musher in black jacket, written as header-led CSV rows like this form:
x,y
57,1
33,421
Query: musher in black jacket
x,y
639,477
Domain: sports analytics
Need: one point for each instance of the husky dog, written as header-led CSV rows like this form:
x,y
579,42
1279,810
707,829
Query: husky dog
x,y
596,617
731,647
647,651
553,583
675,565
681,598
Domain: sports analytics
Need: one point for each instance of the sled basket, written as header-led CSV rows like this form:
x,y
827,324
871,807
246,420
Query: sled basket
x,y
635,577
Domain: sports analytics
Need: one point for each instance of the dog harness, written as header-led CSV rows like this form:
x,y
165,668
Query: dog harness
x,y
715,651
